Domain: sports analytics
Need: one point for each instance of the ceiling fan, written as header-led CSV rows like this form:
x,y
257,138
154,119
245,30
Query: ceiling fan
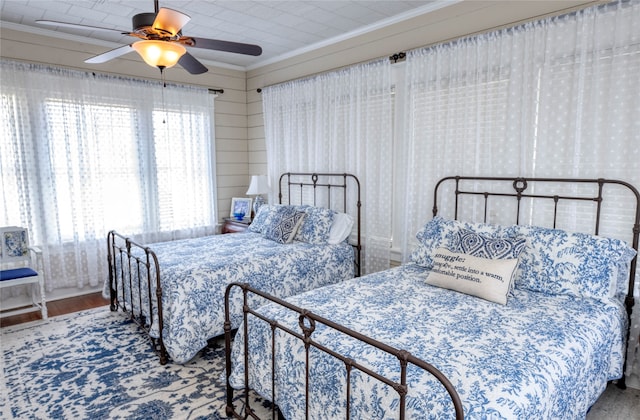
x,y
161,41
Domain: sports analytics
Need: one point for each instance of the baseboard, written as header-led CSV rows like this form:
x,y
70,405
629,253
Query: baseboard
x,y
23,300
633,381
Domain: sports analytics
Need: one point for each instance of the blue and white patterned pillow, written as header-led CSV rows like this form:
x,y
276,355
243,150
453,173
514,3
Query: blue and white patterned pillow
x,y
624,267
261,220
441,232
578,264
15,243
553,261
283,224
316,226
472,243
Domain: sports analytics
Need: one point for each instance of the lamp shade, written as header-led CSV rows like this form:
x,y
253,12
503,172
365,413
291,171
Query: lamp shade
x,y
159,53
258,185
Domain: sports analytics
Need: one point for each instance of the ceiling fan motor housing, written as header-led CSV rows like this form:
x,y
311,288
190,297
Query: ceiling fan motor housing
x,y
143,20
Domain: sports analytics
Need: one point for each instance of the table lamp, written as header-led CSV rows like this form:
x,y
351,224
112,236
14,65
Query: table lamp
x,y
257,187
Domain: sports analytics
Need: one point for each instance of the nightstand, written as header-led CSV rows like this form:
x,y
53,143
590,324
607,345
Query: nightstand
x,y
232,225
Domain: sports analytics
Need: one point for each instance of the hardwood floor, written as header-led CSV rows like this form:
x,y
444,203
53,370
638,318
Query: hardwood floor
x,y
59,307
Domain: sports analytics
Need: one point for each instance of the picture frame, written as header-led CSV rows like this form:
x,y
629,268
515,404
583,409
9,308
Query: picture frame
x,y
240,205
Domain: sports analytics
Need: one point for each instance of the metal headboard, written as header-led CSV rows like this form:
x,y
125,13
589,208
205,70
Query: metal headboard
x,y
521,190
330,189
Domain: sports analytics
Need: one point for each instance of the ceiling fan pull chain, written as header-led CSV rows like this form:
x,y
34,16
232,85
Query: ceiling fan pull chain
x,y
164,86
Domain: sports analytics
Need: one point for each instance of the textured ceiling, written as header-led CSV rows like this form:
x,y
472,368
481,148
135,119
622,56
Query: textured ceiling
x,y
281,28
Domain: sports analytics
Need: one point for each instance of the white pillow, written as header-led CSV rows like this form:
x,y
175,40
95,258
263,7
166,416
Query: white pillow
x,y
340,228
482,277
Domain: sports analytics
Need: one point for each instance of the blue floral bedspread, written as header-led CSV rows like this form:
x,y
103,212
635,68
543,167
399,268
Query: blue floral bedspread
x,y
196,272
538,357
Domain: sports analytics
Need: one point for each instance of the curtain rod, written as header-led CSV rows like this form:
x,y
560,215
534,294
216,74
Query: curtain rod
x,y
220,91
401,56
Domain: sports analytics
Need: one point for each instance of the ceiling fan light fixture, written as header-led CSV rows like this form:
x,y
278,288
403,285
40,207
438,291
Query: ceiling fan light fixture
x,y
159,53
160,41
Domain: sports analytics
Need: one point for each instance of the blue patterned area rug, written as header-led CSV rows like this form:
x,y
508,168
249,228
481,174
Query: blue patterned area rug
x,y
96,364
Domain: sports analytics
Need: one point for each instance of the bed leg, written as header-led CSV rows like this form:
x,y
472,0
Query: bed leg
x,y
111,255
114,305
227,355
621,383
112,295
163,357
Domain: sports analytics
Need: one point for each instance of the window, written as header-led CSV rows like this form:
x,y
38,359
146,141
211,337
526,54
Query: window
x,y
85,154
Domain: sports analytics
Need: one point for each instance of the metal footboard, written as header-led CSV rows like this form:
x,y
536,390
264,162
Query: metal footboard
x,y
134,283
307,325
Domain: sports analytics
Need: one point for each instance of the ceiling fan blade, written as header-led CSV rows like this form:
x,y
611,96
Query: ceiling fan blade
x,y
190,64
109,55
77,26
170,21
228,46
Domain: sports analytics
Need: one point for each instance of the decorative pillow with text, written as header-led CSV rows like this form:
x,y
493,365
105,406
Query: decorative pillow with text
x,y
485,278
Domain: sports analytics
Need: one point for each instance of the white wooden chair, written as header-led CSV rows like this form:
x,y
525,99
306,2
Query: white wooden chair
x,y
21,264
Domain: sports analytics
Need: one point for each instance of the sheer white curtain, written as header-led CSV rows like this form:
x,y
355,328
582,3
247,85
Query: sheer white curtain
x,y
555,98
82,154
340,121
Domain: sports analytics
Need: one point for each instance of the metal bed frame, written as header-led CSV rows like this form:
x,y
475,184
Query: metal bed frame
x,y
296,184
137,265
520,186
308,320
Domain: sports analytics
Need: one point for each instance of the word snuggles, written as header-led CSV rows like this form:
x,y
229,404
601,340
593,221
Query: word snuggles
x,y
450,258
